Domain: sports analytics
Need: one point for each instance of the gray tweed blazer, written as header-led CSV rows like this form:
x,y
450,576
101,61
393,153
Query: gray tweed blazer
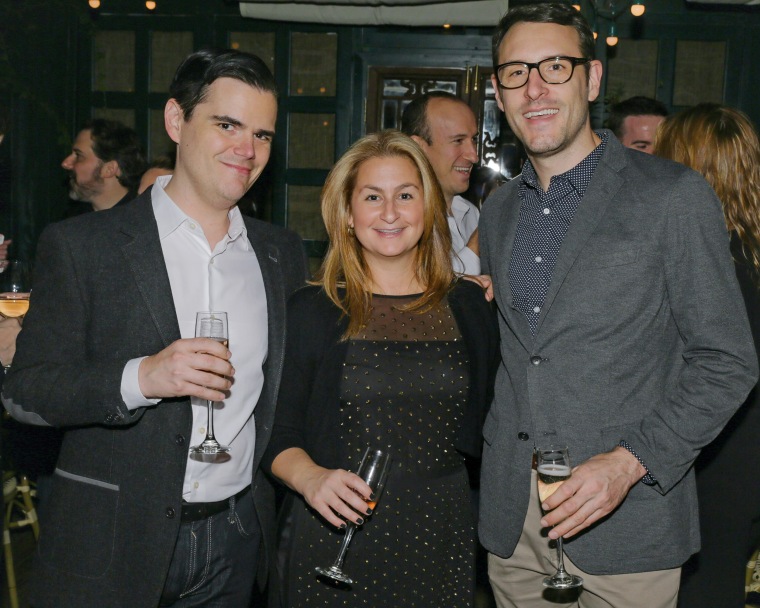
x,y
101,297
643,336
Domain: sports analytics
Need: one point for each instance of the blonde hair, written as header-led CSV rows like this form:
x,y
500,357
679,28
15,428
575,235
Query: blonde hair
x,y
344,265
721,144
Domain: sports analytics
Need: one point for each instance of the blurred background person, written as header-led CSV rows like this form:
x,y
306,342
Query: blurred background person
x,y
446,129
163,165
105,164
634,122
722,144
385,350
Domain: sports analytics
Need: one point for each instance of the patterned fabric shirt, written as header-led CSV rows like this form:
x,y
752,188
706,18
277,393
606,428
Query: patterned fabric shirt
x,y
544,220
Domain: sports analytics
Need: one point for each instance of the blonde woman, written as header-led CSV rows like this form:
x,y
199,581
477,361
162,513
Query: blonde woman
x,y
387,349
722,144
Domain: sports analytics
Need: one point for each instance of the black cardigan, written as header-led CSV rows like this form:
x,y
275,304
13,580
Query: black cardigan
x,y
308,404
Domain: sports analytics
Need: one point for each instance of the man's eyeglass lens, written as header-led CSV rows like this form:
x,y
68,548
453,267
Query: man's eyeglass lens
x,y
555,70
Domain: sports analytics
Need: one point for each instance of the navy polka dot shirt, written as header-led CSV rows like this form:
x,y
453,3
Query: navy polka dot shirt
x,y
544,220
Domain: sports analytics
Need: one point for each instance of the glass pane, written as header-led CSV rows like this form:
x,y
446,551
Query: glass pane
x,y
258,43
390,118
160,144
632,70
311,141
126,117
114,61
313,64
167,50
700,72
304,215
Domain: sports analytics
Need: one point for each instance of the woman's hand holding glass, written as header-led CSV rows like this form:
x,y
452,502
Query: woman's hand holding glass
x,y
336,494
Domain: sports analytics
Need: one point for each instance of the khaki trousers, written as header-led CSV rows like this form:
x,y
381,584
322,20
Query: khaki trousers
x,y
516,581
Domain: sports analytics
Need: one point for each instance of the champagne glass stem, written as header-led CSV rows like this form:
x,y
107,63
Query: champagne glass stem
x,y
344,546
210,421
560,558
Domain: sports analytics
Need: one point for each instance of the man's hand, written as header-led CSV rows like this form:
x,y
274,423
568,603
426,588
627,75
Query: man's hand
x,y
474,244
595,489
9,329
4,249
194,367
484,280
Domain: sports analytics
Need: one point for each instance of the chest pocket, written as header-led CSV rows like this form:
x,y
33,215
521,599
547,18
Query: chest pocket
x,y
609,257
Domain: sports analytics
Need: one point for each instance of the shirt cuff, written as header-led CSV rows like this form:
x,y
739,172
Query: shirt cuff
x,y
130,386
648,479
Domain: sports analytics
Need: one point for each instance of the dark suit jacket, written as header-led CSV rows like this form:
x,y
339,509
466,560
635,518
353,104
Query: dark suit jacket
x,y
643,336
101,297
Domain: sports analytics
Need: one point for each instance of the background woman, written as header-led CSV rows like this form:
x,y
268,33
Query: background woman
x,y
388,351
722,145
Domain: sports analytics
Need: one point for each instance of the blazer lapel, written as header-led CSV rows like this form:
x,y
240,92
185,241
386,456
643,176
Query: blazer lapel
x,y
268,256
601,191
145,259
510,214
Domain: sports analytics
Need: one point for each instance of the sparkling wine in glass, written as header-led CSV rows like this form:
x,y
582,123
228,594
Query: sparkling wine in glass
x,y
553,469
14,288
211,325
374,470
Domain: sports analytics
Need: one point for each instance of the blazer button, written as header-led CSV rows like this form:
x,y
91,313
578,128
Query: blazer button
x,y
536,360
522,436
179,440
170,512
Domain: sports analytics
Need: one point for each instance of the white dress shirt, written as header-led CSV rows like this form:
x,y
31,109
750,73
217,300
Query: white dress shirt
x,y
226,279
463,221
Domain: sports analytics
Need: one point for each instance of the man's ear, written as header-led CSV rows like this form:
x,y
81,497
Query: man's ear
x,y
420,142
497,88
173,119
110,169
594,79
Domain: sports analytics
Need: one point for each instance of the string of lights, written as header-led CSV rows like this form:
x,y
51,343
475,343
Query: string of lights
x,y
609,11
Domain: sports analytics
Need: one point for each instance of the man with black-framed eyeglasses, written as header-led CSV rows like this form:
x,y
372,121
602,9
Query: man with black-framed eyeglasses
x,y
623,336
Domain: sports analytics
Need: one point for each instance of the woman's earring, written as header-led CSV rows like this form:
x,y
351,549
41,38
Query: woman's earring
x,y
351,230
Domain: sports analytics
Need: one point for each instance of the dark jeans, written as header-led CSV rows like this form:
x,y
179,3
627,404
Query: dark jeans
x,y
214,562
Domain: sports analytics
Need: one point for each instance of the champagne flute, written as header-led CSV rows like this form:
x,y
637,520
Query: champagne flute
x,y
374,470
210,325
14,286
553,469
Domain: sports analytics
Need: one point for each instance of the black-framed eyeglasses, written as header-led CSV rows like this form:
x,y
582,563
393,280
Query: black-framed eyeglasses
x,y
554,70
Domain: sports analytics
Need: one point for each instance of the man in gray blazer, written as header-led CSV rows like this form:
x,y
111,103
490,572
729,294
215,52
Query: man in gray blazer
x,y
623,335
108,353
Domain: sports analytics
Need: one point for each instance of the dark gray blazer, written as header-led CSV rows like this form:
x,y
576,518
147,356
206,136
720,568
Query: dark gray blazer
x,y
101,297
643,336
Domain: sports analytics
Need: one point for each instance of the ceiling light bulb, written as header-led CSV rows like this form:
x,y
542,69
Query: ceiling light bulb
x,y
446,26
596,35
577,7
150,5
612,40
637,9
94,3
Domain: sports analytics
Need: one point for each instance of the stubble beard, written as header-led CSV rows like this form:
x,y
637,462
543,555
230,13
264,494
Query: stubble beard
x,y
87,191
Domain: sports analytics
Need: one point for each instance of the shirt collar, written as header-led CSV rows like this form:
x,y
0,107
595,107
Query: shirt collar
x,y
459,207
169,217
579,176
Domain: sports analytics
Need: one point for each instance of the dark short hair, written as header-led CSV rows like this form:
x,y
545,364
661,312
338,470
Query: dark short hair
x,y
112,140
200,69
633,106
414,119
545,12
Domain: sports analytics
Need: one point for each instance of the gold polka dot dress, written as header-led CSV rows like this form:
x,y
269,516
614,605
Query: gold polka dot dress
x,y
403,389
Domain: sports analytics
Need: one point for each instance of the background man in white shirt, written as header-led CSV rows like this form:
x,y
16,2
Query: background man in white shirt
x,y
108,354
445,128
